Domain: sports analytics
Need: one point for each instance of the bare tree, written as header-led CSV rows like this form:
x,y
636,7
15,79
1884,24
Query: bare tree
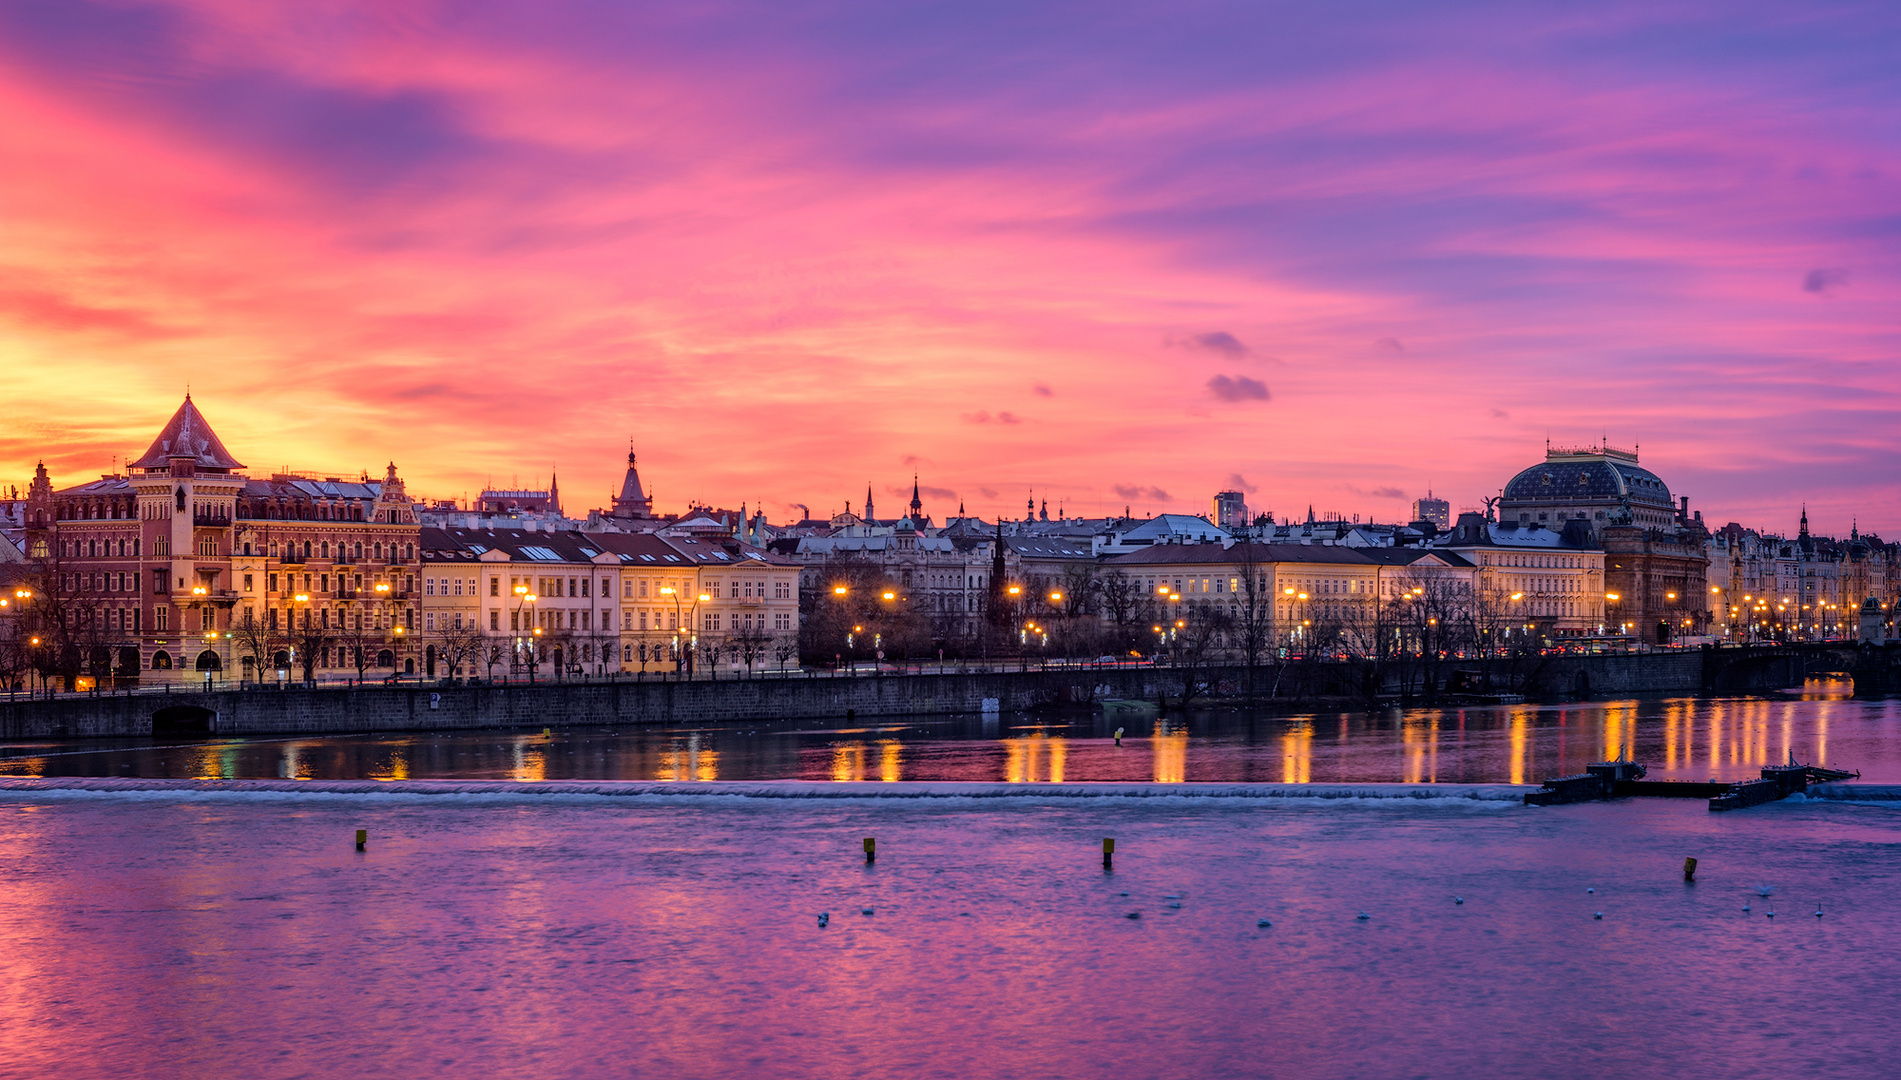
x,y
458,645
256,640
309,641
359,637
492,651
1198,639
1253,630
750,644
1124,603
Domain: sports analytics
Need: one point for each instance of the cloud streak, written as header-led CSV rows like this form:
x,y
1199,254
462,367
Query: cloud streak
x,y
1237,388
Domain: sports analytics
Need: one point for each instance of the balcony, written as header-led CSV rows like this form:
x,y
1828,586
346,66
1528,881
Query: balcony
x,y
187,596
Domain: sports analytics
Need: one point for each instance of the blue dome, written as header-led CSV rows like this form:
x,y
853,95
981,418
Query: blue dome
x,y
1582,478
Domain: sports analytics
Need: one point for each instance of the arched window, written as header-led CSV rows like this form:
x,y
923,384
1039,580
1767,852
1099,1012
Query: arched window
x,y
323,549
161,661
180,497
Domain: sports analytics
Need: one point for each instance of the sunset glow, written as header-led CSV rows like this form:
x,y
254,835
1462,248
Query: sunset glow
x,y
1112,254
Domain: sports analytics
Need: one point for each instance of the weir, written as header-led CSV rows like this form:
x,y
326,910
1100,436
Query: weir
x,y
1625,779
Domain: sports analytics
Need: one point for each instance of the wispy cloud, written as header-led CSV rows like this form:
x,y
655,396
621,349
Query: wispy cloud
x,y
1144,494
1823,279
1237,388
1219,341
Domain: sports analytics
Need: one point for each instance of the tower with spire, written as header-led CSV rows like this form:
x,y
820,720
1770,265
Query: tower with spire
x,y
869,516
917,504
632,504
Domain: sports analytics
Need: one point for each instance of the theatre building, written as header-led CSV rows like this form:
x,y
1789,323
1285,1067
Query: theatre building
x,y
184,567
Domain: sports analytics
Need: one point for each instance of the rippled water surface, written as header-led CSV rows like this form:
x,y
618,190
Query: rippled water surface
x,y
241,935
1685,738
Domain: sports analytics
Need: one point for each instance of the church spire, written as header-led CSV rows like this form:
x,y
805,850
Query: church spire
x,y
917,504
633,502
1805,520
867,502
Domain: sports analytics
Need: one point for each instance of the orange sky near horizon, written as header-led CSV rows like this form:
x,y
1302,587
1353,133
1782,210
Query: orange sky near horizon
x,y
1122,255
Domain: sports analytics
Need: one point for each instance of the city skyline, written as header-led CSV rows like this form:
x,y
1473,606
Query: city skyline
x,y
995,505
1113,257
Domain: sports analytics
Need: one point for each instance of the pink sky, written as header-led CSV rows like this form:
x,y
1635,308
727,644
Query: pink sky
x,y
1117,254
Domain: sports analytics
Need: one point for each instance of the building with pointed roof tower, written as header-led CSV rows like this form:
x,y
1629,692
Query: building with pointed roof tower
x,y
632,504
183,568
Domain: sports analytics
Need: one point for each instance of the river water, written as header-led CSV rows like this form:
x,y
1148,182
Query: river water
x,y
163,928
1686,738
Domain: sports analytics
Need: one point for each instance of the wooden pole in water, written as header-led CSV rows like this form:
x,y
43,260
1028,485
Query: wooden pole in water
x,y
1689,870
871,850
362,837
1108,853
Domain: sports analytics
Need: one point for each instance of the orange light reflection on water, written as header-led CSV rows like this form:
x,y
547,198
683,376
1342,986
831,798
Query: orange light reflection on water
x,y
1171,753
1297,754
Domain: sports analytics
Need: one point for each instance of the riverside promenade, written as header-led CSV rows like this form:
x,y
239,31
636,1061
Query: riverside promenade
x,y
332,709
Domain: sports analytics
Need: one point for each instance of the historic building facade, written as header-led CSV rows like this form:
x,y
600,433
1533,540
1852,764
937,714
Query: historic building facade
x,y
565,603
183,567
1550,582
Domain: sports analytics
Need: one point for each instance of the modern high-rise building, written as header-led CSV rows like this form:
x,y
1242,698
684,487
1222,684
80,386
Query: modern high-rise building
x,y
1230,509
1437,511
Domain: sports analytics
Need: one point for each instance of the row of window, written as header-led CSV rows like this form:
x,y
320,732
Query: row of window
x,y
320,583
743,621
583,620
631,588
1555,562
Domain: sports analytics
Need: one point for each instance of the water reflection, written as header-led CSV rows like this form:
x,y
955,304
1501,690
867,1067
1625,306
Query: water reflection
x,y
1035,758
848,762
688,760
1678,738
1171,751
1297,754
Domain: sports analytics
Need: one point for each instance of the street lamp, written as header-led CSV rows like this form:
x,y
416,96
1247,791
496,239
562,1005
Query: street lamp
x,y
524,598
300,601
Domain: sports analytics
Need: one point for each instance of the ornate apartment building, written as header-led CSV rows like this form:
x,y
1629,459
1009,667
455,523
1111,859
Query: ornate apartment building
x,y
184,566
562,602
1764,585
